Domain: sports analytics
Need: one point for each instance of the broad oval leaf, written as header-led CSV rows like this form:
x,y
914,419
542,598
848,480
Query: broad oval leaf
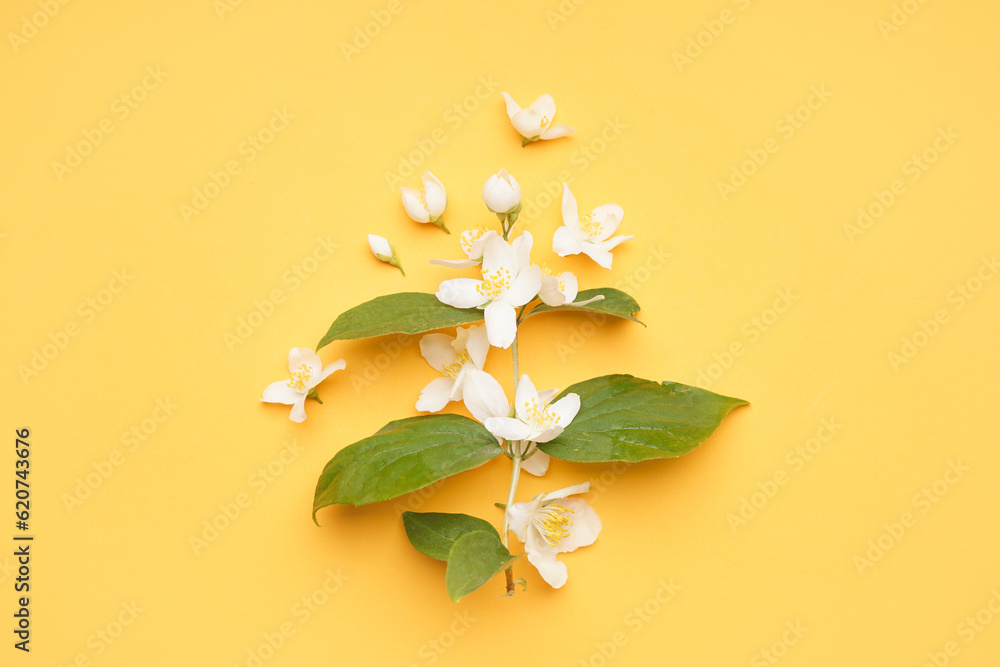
x,y
475,558
406,312
434,533
624,418
615,302
404,456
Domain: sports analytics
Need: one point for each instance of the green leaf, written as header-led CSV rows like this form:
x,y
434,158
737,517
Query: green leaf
x,y
404,456
615,302
434,533
624,418
406,312
475,558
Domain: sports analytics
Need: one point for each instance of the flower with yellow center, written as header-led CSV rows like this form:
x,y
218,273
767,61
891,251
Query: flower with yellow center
x,y
473,242
453,357
589,234
426,206
307,371
536,418
561,290
551,524
508,280
535,122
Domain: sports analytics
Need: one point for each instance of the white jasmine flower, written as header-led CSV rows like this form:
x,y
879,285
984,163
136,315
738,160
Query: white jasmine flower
x,y
501,193
473,242
536,419
307,371
551,524
453,357
384,251
535,122
561,290
508,281
426,206
588,234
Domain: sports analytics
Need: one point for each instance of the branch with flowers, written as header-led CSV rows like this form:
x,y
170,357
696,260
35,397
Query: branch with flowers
x,y
603,419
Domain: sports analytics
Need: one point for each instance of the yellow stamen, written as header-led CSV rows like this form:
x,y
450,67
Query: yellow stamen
x,y
300,378
545,122
589,225
470,236
452,369
553,522
495,283
540,416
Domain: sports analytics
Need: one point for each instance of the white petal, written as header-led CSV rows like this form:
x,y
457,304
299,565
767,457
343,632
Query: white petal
x,y
565,242
461,293
414,209
484,396
280,392
552,570
537,465
570,286
455,263
614,242
477,345
435,395
522,249
438,350
549,291
338,365
527,122
586,525
299,356
498,256
524,395
477,246
583,487
501,324
519,515
545,396
570,214
610,216
599,297
459,386
512,106
566,408
556,131
434,194
596,253
379,245
544,105
507,428
524,287
298,413
548,435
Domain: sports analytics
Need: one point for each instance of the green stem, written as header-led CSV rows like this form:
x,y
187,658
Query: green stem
x,y
515,473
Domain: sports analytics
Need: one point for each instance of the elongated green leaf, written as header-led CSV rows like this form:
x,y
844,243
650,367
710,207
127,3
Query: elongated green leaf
x,y
624,418
406,312
434,533
404,456
475,558
615,302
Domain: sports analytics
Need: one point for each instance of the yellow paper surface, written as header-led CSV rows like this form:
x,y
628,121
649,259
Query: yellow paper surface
x,y
187,189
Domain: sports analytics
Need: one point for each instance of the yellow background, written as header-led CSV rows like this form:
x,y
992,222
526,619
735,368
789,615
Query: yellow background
x,y
672,130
